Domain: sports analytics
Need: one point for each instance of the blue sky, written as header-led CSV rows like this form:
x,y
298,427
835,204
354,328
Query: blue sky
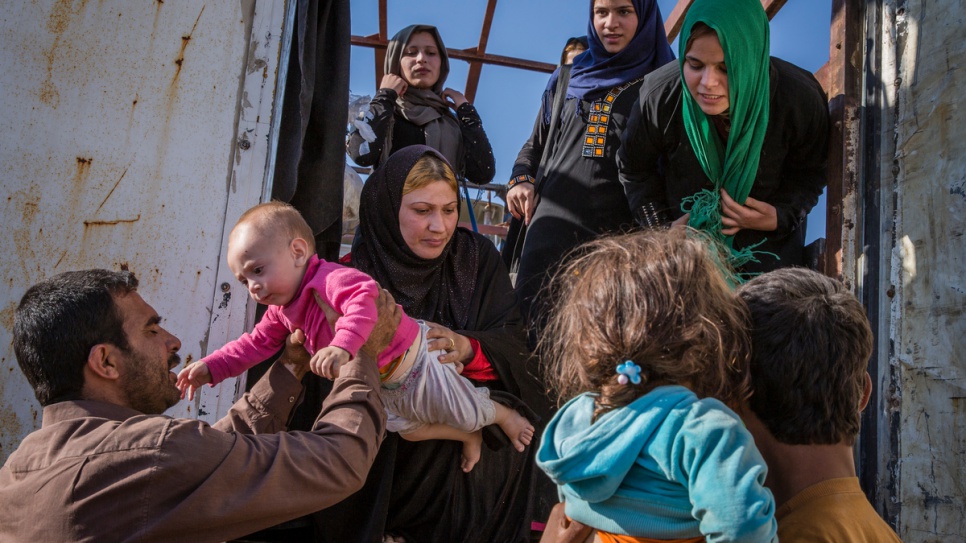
x,y
508,99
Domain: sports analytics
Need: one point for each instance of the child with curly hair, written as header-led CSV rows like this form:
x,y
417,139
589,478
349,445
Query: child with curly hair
x,y
650,346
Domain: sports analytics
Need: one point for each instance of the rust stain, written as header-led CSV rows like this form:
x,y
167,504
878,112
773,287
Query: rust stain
x,y
130,118
60,17
48,92
9,422
106,198
10,425
112,223
184,45
61,259
6,315
83,169
30,210
22,232
57,23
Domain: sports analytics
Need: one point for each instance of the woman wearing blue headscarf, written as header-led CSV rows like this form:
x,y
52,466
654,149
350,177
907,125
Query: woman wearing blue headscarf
x,y
564,187
576,196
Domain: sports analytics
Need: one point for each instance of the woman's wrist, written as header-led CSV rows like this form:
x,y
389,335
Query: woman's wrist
x,y
387,93
465,348
516,180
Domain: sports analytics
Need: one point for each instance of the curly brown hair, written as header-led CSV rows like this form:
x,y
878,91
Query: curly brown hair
x,y
658,298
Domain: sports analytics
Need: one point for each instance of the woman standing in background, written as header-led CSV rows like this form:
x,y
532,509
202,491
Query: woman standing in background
x,y
412,107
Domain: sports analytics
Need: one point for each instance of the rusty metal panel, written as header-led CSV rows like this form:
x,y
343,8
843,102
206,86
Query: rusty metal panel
x,y
928,264
843,244
120,144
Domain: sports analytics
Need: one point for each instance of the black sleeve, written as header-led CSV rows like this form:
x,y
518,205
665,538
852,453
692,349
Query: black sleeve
x,y
381,109
638,159
804,169
478,162
528,160
501,333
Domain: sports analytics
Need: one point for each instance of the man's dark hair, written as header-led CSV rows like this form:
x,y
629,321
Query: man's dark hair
x,y
810,344
57,323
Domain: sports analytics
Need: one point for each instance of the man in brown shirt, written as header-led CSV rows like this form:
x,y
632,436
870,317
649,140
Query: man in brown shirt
x,y
106,465
811,343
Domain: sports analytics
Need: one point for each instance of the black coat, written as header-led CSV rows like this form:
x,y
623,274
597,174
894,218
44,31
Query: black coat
x,y
658,165
477,162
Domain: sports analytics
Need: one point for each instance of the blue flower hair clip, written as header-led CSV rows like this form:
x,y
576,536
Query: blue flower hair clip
x,y
628,372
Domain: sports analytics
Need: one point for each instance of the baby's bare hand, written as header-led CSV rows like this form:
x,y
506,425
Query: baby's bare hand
x,y
193,377
327,361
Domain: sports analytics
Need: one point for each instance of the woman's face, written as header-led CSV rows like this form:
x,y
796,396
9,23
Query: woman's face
x,y
615,22
420,61
706,75
428,217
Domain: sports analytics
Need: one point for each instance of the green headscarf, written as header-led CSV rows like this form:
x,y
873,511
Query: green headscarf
x,y
742,29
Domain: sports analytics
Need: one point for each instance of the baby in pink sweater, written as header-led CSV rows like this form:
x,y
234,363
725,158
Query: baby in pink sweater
x,y
272,252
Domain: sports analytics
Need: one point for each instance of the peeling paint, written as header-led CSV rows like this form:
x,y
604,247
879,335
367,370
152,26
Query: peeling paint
x,y
255,63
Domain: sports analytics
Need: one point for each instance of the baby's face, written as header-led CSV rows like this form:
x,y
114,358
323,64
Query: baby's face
x,y
268,265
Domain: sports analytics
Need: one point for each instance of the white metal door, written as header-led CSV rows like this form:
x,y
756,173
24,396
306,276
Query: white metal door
x,y
131,133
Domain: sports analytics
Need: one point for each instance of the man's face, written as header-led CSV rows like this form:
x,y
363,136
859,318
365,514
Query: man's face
x,y
146,379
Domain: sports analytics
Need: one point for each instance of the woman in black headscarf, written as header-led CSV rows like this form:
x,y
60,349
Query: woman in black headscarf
x,y
412,107
409,242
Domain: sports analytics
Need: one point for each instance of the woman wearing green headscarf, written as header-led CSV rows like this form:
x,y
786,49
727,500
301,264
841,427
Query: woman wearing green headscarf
x,y
729,140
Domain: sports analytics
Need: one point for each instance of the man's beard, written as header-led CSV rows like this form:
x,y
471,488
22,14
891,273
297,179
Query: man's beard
x,y
146,390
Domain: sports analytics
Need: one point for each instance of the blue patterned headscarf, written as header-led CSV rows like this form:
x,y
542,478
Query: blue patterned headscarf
x,y
595,71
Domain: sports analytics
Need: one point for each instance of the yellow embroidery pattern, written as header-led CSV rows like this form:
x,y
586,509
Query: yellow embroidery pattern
x,y
600,114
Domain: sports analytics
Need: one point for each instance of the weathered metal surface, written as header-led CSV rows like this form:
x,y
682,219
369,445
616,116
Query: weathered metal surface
x,y
469,55
675,20
878,444
928,295
473,78
844,91
130,132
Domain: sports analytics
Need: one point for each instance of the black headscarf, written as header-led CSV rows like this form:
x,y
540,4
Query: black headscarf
x,y
439,290
416,489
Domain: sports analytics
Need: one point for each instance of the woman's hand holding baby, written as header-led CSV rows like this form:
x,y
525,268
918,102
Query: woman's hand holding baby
x,y
456,348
